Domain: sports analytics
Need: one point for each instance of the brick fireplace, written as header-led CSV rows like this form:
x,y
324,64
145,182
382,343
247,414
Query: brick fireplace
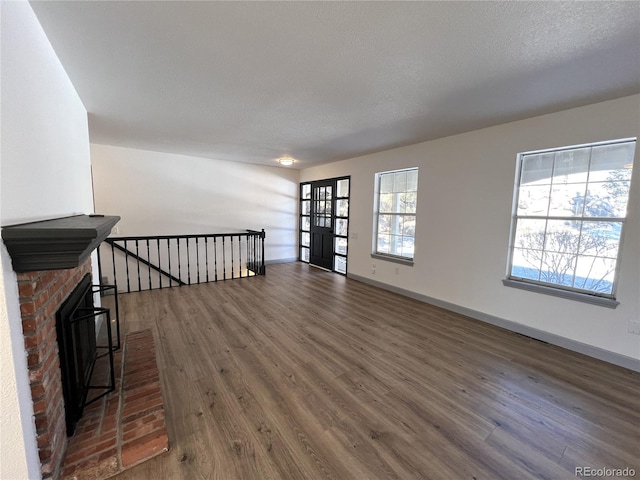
x,y
122,426
41,294
50,259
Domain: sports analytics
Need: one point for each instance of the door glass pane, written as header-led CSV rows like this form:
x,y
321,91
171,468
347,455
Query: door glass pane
x,y
342,208
306,207
340,264
329,192
305,224
341,226
343,188
306,191
341,245
304,238
304,254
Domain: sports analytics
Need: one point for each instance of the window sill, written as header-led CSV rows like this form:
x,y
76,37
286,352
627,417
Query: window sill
x,y
556,292
393,258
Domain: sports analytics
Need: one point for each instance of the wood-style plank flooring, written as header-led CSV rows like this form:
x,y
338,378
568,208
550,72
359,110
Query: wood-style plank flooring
x,y
304,374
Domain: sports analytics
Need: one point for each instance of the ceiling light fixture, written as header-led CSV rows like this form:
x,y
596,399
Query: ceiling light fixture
x,y
286,161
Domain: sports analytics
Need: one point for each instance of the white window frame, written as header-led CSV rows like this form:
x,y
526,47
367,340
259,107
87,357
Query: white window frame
x,y
587,296
402,259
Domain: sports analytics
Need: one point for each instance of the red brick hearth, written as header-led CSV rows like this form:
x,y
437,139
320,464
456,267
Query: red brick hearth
x,y
126,427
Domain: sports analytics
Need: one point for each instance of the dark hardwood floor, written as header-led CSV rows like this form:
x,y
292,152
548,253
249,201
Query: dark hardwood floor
x,y
304,374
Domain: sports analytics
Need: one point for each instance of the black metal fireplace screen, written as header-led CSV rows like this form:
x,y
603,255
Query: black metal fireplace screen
x,y
86,344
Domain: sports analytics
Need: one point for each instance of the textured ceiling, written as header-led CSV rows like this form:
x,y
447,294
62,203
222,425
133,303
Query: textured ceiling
x,y
323,81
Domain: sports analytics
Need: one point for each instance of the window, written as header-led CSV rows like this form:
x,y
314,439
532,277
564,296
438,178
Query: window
x,y
569,211
395,227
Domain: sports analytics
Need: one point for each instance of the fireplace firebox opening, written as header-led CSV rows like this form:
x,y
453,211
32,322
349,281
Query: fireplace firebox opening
x,y
85,341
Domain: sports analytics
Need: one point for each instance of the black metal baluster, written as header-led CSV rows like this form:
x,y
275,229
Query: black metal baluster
x,y
215,259
240,254
198,259
159,261
188,264
126,262
99,265
179,260
149,260
206,256
248,263
113,259
256,243
138,264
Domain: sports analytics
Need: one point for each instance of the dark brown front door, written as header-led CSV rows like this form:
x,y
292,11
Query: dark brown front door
x,y
322,222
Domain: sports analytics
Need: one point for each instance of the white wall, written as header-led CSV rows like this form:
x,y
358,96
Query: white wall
x,y
465,194
45,173
163,194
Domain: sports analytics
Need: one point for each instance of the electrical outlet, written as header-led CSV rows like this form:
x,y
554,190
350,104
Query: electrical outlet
x,y
353,235
373,268
115,230
634,327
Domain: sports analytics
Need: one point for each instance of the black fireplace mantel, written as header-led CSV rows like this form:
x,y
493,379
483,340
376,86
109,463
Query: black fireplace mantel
x,y
56,244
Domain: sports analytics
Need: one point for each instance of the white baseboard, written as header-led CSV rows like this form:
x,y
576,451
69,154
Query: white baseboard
x,y
589,350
